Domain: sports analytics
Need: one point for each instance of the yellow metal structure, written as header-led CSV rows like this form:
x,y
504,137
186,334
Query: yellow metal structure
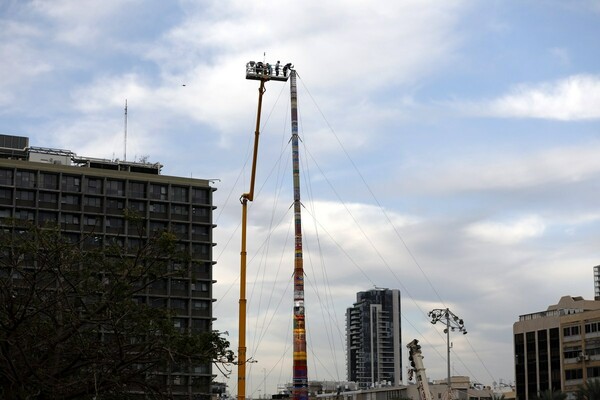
x,y
264,76
242,305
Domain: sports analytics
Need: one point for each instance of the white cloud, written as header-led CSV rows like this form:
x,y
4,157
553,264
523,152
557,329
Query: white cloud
x,y
573,98
510,232
21,61
507,171
79,23
394,46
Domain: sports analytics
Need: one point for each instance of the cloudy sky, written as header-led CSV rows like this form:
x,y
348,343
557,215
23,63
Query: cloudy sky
x,y
450,150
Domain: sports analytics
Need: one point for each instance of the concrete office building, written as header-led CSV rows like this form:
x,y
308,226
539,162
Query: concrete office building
x,y
87,197
373,340
557,349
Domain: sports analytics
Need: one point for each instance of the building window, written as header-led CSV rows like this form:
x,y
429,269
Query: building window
x,y
200,305
592,349
159,208
201,268
4,213
158,226
25,179
90,220
46,216
137,190
93,201
115,204
200,211
179,304
158,303
571,330
50,198
26,195
115,241
6,194
201,369
179,210
138,206
593,372
179,323
134,244
71,183
70,199
112,222
201,287
200,196
592,327
159,286
94,185
571,374
158,192
199,325
179,284
200,249
6,176
179,380
24,215
71,219
180,229
200,231
115,188
181,248
572,352
179,193
48,181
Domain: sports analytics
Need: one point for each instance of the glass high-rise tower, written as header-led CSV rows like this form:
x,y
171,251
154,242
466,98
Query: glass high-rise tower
x,y
373,339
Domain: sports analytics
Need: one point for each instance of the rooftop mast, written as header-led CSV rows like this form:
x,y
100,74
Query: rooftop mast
x,y
125,140
262,72
300,372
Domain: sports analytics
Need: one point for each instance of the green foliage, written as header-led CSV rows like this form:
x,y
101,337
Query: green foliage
x,y
552,395
73,325
590,390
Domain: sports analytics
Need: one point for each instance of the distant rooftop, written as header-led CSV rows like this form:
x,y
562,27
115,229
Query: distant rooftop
x,y
17,148
567,305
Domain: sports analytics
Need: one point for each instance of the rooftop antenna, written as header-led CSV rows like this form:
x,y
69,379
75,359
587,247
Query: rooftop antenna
x,y
125,140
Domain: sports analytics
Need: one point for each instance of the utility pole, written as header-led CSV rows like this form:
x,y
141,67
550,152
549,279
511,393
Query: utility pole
x,y
453,323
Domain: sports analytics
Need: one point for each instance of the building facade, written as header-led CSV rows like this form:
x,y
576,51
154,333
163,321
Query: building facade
x,y
597,282
463,389
87,199
373,339
557,349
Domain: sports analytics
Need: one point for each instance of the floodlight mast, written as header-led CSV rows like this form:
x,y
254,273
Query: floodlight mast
x,y
453,323
263,73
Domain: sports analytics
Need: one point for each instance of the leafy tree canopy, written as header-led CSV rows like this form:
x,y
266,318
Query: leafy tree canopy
x,y
590,390
74,323
552,395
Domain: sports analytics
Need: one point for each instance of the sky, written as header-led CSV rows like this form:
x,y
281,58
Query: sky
x,y
449,149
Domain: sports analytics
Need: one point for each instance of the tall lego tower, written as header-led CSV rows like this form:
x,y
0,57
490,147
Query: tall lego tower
x,y
300,374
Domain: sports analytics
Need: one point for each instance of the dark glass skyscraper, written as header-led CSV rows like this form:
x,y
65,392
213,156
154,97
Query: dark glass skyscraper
x,y
373,339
